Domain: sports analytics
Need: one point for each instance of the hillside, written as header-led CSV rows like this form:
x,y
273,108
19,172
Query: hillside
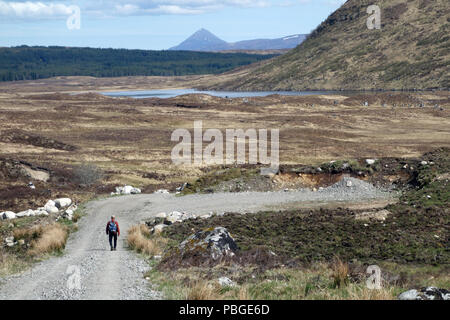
x,y
410,51
203,40
30,63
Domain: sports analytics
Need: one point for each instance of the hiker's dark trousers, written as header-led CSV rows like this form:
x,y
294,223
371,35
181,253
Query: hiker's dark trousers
x,y
113,235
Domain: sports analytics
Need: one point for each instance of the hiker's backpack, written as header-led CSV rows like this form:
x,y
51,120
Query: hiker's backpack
x,y
112,227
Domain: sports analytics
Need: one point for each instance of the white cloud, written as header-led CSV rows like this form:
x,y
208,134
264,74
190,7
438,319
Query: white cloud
x,y
33,10
46,9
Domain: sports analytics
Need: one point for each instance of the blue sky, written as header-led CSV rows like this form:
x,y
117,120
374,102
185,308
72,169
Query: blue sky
x,y
155,24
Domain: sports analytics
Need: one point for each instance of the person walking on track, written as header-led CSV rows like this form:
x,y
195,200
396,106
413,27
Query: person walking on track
x,y
113,230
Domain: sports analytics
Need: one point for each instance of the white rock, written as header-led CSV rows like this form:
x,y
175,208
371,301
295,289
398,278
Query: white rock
x,y
187,216
159,228
73,207
349,183
26,213
50,203
8,215
226,282
410,295
162,191
63,202
370,161
135,191
9,241
161,215
127,189
51,208
68,214
39,212
424,163
175,216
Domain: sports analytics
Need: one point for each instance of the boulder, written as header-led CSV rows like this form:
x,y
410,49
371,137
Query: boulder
x,y
225,282
428,293
370,161
162,191
9,241
73,207
40,212
187,216
158,228
216,242
51,208
135,191
161,215
174,216
126,190
155,221
380,215
26,213
68,214
7,215
63,203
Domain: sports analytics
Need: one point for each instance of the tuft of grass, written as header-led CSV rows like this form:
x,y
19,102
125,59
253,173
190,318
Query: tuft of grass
x,y
11,264
139,239
340,273
28,234
315,282
203,290
52,239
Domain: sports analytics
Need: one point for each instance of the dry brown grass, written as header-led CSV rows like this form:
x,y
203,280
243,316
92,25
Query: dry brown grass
x,y
10,264
243,293
340,273
28,234
203,290
52,239
139,239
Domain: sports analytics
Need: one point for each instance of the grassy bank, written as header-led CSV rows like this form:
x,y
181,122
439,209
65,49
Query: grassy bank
x,y
37,238
320,254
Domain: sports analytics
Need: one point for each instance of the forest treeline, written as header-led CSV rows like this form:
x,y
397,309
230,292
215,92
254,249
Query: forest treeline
x,y
30,63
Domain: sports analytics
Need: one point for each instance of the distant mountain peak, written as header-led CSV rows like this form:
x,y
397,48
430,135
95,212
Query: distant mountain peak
x,y
204,40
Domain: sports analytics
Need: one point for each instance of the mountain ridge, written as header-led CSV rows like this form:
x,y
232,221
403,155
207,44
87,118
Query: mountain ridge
x,y
411,51
204,40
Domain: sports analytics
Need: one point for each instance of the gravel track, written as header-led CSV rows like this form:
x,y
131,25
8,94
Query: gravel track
x,y
118,275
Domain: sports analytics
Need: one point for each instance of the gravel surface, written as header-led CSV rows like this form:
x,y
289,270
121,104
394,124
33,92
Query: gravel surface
x,y
118,275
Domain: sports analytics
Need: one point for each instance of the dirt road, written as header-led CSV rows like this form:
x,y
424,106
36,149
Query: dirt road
x,y
88,270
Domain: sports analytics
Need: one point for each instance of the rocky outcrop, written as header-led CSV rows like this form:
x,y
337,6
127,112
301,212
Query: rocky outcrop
x,y
208,247
216,242
428,293
126,190
62,205
7,215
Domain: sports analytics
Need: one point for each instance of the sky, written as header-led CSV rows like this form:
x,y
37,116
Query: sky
x,y
154,24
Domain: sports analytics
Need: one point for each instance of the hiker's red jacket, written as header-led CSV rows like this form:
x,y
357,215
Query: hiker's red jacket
x,y
117,226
